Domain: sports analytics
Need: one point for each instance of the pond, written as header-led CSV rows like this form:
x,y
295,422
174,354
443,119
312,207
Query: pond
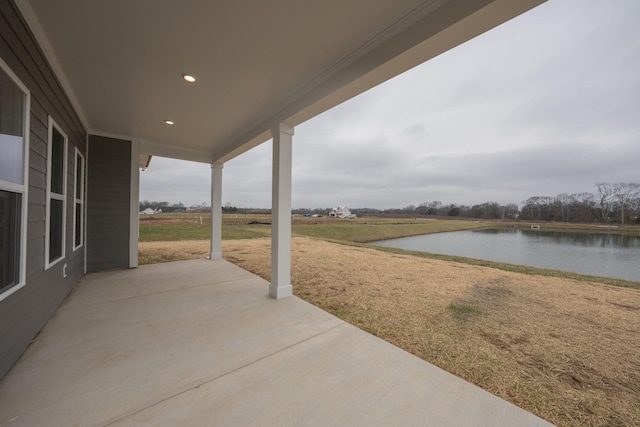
x,y
607,255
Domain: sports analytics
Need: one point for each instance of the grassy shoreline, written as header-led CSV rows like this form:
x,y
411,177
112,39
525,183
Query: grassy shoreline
x,y
365,230
522,269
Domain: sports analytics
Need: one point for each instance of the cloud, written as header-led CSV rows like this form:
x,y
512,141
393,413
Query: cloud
x,y
176,181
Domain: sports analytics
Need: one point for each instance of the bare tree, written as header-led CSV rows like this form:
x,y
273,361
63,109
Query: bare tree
x,y
562,202
634,206
585,207
510,211
430,208
605,199
623,192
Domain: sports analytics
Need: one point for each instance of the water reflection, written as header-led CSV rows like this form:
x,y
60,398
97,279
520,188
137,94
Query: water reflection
x,y
597,254
572,238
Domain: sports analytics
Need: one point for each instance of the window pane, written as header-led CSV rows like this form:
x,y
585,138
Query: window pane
x,y
79,170
55,230
9,239
78,225
57,162
11,159
12,106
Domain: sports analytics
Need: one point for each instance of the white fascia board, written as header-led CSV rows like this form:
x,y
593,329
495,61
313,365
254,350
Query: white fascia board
x,y
175,152
245,143
144,160
151,148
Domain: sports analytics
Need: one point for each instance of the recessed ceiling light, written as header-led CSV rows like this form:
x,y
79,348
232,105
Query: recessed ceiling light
x,y
189,77
170,122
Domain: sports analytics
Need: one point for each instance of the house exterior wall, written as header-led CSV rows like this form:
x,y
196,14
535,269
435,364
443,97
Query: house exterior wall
x,y
24,312
108,203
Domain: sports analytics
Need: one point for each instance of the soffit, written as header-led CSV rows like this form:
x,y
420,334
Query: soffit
x,y
256,61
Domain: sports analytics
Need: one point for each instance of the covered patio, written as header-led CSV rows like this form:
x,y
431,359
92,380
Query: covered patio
x,y
202,343
98,88
208,81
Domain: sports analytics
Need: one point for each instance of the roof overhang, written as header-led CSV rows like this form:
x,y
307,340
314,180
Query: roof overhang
x,y
258,63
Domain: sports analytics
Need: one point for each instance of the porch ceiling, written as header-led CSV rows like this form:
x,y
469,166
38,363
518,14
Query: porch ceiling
x,y
258,63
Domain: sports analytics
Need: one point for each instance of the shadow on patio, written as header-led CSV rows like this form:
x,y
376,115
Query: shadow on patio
x,y
201,343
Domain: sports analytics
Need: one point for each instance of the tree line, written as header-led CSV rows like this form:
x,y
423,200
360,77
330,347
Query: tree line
x,y
180,207
618,202
611,202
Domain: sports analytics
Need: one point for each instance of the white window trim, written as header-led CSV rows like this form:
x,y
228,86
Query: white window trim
x,y
78,200
55,196
22,189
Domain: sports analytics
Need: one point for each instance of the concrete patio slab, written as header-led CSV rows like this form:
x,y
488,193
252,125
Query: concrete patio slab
x,y
201,343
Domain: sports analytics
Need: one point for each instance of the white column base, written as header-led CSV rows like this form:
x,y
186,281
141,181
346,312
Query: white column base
x,y
278,292
214,256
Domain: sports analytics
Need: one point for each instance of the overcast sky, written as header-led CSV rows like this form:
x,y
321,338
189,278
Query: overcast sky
x,y
547,103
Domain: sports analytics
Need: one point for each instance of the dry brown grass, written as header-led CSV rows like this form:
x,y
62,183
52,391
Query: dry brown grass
x,y
567,351
156,252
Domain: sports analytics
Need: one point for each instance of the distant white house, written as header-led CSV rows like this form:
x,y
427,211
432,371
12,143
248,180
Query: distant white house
x,y
150,211
341,212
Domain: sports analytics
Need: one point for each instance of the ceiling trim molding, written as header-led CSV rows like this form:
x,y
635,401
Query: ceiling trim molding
x,y
113,136
159,149
163,150
248,141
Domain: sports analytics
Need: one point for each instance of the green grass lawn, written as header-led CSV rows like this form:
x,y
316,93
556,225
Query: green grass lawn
x,y
171,227
365,230
174,232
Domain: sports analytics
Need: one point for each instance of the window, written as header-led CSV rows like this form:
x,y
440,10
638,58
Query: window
x,y
56,195
14,158
78,212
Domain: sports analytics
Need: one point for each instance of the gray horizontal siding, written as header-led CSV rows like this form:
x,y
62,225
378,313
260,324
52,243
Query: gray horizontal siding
x,y
35,216
26,311
36,197
37,165
109,187
38,180
38,137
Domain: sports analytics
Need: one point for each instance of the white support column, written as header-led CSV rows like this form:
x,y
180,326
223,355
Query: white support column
x,y
134,205
280,286
216,211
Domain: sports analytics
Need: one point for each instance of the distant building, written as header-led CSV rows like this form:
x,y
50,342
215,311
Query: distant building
x,y
340,212
150,211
